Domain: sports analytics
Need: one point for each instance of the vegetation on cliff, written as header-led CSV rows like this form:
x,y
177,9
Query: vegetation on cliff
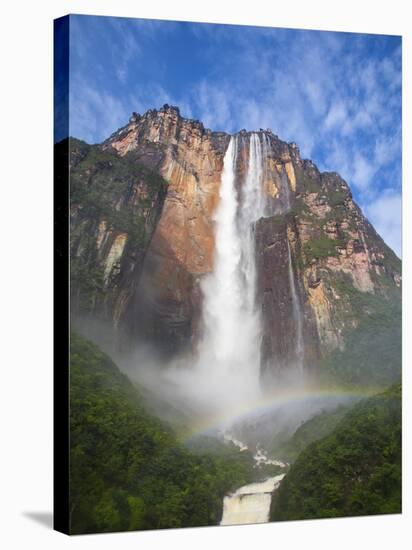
x,y
373,348
109,195
127,469
312,430
356,470
322,247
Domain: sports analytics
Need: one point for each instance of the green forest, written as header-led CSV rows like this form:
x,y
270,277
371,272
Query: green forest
x,y
313,429
353,471
128,471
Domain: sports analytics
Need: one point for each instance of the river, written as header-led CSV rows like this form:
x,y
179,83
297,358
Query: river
x,y
251,503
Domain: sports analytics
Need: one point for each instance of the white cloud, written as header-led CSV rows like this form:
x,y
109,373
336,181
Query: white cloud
x,y
336,116
95,114
386,150
385,213
363,171
338,159
391,72
316,96
214,105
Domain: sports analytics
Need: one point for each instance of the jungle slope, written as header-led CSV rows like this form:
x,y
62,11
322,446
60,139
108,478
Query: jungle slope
x,y
127,469
311,430
354,471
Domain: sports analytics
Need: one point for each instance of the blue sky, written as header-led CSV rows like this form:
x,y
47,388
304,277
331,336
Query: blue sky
x,y
337,95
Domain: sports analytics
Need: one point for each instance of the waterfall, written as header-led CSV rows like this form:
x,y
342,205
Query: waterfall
x,y
297,313
224,377
222,289
229,351
252,208
250,503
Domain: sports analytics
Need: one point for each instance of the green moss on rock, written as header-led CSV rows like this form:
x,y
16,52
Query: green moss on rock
x,y
322,247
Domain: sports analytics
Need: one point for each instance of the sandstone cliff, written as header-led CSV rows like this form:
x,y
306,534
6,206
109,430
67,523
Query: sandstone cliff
x,y
143,236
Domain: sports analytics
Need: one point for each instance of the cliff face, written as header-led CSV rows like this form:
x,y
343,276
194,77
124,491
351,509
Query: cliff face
x,y
114,208
336,255
317,257
166,306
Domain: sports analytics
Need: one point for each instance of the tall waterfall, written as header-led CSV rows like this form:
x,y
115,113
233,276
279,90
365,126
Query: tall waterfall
x,y
229,352
251,209
297,313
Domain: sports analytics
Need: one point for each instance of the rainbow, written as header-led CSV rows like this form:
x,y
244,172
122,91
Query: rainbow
x,y
270,402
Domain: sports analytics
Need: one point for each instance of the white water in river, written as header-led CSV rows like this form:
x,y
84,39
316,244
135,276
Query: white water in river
x,y
250,503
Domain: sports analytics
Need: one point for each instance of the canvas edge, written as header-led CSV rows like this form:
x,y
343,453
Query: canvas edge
x,y
61,321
